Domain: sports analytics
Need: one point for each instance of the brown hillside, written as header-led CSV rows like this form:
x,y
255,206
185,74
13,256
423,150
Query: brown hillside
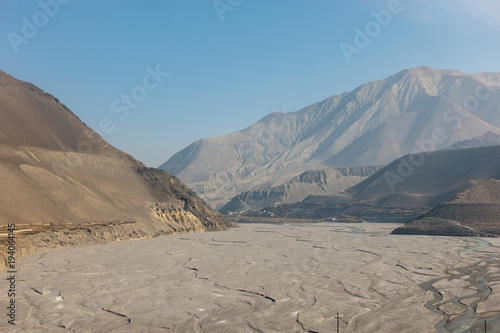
x,y
63,184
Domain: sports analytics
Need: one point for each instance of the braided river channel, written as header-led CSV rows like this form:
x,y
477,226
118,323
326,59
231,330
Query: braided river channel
x,y
459,313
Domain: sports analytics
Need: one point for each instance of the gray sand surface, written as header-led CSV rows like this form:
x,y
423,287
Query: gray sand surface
x,y
256,278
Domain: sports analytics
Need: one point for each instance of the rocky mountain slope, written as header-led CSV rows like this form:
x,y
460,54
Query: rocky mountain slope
x,y
62,184
317,182
405,189
427,179
487,139
418,109
473,212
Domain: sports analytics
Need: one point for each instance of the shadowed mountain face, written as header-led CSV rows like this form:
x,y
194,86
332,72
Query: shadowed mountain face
x,y
427,179
419,109
56,170
472,212
409,187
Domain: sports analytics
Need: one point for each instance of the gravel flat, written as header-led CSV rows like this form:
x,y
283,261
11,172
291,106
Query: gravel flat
x,y
255,278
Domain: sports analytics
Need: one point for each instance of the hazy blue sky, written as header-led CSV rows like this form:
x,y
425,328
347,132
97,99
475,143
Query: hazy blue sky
x,y
230,62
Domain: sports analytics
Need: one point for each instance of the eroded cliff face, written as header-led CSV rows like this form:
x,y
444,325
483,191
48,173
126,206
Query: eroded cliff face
x,y
164,219
63,185
315,182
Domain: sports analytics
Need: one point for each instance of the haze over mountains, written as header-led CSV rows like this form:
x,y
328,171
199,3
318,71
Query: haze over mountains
x,y
450,192
316,182
427,179
54,170
418,109
487,139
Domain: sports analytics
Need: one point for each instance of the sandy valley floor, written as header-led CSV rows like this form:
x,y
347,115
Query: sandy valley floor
x,y
264,278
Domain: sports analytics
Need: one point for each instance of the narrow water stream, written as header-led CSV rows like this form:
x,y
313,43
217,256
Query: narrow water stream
x,y
463,317
355,230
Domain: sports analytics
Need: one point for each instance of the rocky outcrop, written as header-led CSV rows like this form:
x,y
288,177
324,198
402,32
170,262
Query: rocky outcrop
x,y
315,182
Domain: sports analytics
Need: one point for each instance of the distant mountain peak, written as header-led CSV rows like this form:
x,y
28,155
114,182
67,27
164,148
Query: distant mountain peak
x,y
374,124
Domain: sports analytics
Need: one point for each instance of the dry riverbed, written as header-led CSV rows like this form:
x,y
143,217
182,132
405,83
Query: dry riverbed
x,y
263,278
